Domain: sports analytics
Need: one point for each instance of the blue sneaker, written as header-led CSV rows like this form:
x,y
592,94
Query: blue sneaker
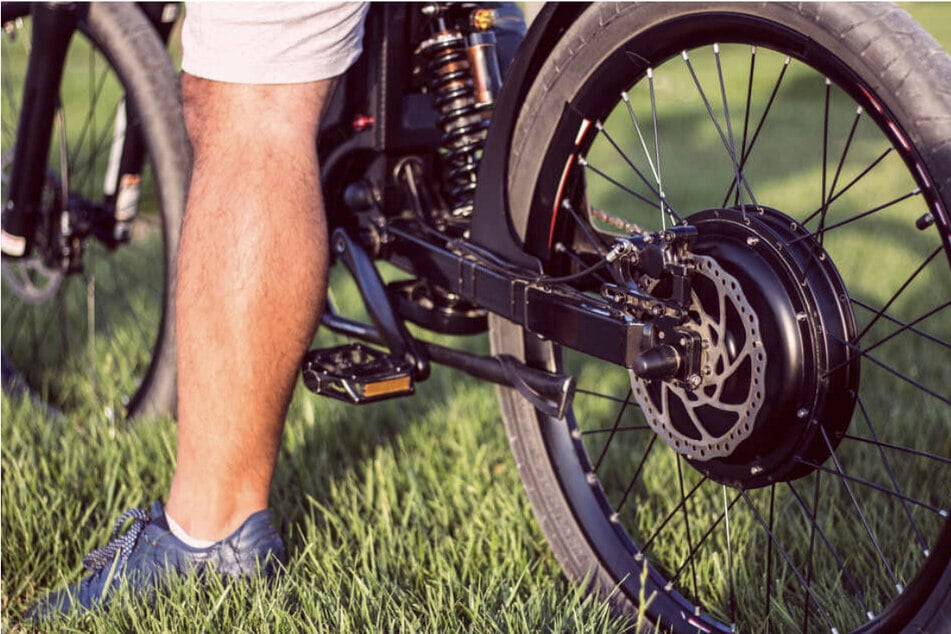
x,y
148,553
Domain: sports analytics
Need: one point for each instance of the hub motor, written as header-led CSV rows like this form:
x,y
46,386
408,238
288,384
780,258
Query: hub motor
x,y
779,379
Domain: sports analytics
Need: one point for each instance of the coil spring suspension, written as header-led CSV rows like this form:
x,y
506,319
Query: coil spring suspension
x,y
461,118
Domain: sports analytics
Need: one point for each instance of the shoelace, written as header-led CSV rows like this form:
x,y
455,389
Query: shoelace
x,y
123,545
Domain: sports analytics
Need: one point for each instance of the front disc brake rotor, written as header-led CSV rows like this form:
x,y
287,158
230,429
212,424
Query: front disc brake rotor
x,y
30,278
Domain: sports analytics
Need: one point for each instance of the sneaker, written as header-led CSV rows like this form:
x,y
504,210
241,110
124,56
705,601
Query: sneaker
x,y
148,553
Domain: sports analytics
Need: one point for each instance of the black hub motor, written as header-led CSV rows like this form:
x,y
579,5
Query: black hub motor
x,y
779,380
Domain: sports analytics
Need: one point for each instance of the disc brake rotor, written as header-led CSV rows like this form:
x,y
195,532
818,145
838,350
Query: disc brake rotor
x,y
762,284
31,280
713,419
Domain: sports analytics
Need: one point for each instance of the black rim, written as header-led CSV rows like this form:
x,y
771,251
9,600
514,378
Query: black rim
x,y
833,539
82,340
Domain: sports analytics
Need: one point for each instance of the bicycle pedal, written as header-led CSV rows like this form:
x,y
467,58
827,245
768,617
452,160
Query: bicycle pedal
x,y
357,373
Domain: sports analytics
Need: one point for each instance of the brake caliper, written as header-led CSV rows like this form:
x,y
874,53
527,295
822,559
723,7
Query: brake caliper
x,y
643,264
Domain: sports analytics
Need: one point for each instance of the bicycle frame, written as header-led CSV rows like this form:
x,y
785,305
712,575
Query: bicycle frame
x,y
488,269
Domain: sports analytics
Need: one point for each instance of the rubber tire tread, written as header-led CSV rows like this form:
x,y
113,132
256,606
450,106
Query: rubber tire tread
x,y
901,62
127,39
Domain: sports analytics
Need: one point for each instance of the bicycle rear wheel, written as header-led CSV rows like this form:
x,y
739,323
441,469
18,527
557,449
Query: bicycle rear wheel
x,y
802,485
100,336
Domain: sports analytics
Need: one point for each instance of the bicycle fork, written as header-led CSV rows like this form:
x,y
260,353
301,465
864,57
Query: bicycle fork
x,y
53,26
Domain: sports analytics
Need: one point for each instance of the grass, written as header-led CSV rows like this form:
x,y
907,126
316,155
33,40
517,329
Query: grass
x,y
401,516
410,519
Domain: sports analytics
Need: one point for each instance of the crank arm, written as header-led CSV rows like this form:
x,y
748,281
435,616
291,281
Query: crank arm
x,y
393,333
551,393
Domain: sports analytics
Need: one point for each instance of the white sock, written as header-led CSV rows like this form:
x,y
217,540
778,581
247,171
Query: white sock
x,y
180,533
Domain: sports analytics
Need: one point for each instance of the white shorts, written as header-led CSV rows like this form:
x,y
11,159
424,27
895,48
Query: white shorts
x,y
271,42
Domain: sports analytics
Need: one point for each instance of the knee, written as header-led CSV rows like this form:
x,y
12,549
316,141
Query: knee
x,y
223,116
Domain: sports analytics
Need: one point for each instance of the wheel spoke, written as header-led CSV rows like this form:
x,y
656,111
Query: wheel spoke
x,y
88,167
731,143
665,207
746,125
891,474
904,327
729,552
825,169
865,172
614,430
673,512
706,535
686,519
655,170
748,150
898,293
868,529
789,560
819,234
908,450
813,515
842,157
606,397
117,273
637,474
723,138
944,399
584,226
584,163
654,163
769,556
813,521
872,485
590,432
600,127
95,93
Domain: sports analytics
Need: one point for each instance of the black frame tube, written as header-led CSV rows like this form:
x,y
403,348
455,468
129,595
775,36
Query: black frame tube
x,y
581,322
53,25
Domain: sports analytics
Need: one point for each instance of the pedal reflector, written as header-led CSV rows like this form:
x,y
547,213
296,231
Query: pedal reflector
x,y
357,373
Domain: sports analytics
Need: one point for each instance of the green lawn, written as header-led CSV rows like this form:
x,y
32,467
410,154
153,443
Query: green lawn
x,y
401,516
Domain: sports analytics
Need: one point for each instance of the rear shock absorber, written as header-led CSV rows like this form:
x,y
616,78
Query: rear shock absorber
x,y
463,81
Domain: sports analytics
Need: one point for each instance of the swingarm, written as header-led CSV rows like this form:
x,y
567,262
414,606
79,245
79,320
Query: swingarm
x,y
615,320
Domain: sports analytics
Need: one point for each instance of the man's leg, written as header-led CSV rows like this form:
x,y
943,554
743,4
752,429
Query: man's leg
x,y
251,281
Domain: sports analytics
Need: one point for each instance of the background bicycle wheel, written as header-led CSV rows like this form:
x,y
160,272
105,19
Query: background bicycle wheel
x,y
98,341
